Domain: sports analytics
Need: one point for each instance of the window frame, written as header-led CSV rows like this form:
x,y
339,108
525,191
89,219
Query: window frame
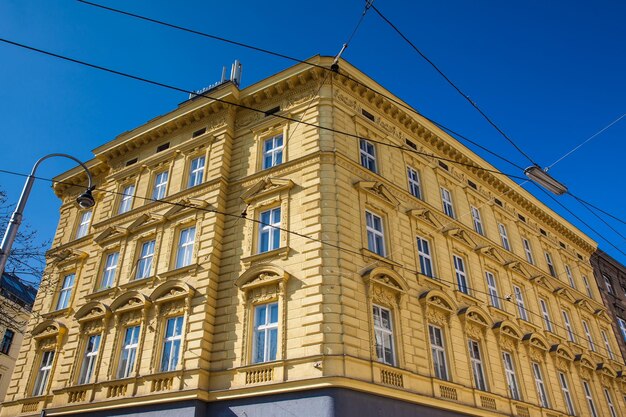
x,y
415,183
504,237
64,297
425,258
589,397
587,330
528,251
438,353
511,376
571,336
478,366
126,371
126,198
172,363
83,225
90,359
460,272
276,153
567,396
609,285
197,172
389,332
271,229
7,342
570,276
185,249
587,286
106,270
159,189
607,344
521,304
447,202
377,243
542,393
622,326
267,328
42,377
550,263
545,313
140,270
367,159
477,220
492,289
609,402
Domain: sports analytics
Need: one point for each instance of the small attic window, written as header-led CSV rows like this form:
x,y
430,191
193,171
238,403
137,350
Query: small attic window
x,y
410,144
562,245
580,256
543,232
272,111
472,184
130,162
443,165
498,202
368,115
198,132
522,218
163,147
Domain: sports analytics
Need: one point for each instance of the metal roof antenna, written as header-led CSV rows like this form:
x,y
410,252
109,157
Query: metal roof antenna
x,y
335,66
235,72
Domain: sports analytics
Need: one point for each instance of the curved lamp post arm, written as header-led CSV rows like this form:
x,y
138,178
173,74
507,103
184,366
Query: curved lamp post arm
x,y
16,217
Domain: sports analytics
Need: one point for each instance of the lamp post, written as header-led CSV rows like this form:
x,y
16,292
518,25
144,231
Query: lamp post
x,y
85,200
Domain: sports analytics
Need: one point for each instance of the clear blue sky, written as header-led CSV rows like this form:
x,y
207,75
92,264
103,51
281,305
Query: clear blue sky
x,y
551,74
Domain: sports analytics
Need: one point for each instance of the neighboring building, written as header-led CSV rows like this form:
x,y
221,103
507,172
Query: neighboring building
x,y
611,279
202,303
16,302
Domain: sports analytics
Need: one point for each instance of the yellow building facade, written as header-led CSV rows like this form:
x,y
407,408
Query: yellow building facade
x,y
254,263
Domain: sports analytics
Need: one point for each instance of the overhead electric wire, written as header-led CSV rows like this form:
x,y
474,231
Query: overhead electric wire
x,y
449,81
580,200
183,90
302,235
284,56
604,221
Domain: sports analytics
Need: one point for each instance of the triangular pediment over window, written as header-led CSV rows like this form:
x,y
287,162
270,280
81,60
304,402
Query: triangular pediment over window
x,y
184,205
265,187
145,220
519,268
427,217
461,235
379,190
110,233
492,252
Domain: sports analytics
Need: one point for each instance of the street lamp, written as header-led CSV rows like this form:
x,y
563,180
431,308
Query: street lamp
x,y
85,200
541,177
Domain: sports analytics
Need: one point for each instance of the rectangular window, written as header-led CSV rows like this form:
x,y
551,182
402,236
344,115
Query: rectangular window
x,y
547,322
144,264
521,306
607,345
196,172
494,298
478,223
160,185
265,343
43,374
383,331
587,287
541,388
438,351
622,327
110,268
273,151
589,397
504,237
375,233
126,202
609,402
566,394
570,277
446,199
7,341
414,183
461,276
185,247
89,359
128,355
171,343
477,365
609,284
550,265
528,251
66,292
83,226
568,327
368,155
511,379
425,257
592,346
269,230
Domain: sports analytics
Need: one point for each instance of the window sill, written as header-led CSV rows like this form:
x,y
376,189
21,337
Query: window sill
x,y
276,253
192,268
373,255
499,312
467,298
138,282
432,281
101,293
58,313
